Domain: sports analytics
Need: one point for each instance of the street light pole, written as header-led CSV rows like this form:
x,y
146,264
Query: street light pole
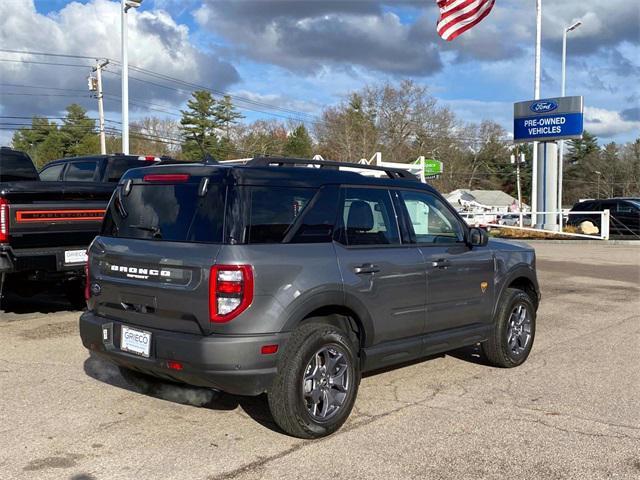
x,y
536,96
563,92
125,6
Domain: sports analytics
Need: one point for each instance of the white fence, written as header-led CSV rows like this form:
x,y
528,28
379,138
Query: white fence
x,y
526,221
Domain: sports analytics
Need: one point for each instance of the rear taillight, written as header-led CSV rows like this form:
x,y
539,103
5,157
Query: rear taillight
x,y
230,291
148,158
166,177
87,282
4,220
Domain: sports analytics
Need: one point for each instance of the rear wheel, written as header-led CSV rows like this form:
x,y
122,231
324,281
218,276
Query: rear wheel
x,y
317,382
513,332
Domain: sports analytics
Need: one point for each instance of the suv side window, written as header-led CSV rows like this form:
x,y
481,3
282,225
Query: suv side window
x,y
117,166
52,173
368,217
317,223
80,171
624,207
272,211
431,221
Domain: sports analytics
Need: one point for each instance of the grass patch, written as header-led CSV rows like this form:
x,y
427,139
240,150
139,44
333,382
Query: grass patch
x,y
526,234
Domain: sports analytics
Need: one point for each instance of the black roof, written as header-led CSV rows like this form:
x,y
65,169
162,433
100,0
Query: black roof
x,y
292,171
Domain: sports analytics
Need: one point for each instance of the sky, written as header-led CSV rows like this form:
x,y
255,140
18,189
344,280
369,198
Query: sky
x,y
291,58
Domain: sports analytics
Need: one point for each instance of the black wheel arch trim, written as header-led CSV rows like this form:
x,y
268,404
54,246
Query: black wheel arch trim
x,y
328,299
519,271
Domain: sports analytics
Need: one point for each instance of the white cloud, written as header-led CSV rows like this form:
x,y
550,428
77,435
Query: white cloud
x,y
156,42
607,123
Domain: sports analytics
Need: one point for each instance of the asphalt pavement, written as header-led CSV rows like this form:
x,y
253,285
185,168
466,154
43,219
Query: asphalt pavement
x,y
571,411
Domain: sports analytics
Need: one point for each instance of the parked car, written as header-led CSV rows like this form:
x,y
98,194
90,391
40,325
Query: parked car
x,y
271,277
624,214
513,219
97,168
46,226
479,220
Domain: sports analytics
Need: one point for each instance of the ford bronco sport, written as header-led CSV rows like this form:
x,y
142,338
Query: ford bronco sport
x,y
273,277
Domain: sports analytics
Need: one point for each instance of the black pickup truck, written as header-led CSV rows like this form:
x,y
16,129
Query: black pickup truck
x,y
46,226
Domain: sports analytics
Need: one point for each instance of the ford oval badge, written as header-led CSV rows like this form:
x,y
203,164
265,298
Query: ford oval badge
x,y
543,106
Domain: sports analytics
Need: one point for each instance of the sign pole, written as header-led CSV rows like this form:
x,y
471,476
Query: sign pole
x,y
547,185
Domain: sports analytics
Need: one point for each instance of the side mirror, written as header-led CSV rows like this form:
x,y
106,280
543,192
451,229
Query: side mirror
x,y
478,237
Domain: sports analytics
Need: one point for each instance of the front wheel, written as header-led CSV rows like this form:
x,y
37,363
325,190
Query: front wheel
x,y
513,332
317,382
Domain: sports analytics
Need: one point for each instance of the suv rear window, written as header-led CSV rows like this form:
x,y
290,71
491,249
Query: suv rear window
x,y
174,213
15,166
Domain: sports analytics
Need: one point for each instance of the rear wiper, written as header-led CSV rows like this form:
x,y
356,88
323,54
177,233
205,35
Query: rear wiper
x,y
155,230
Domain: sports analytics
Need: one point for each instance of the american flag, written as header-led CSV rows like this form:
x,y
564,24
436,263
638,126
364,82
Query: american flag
x,y
458,16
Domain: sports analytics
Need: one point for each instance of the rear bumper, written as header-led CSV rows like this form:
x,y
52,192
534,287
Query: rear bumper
x,y
37,259
233,364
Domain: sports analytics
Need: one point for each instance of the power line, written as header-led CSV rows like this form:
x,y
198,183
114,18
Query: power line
x,y
47,54
16,85
44,63
165,77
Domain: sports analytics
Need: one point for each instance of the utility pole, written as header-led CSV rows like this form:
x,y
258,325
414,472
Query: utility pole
x,y
536,96
97,87
518,159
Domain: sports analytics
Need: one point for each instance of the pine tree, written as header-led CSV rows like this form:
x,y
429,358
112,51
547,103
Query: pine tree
x,y
30,139
581,149
227,114
78,132
299,143
199,125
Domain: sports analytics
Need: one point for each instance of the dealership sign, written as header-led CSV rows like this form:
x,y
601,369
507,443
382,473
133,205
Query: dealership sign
x,y
548,119
432,168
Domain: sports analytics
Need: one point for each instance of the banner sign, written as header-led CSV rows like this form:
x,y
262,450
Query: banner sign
x,y
549,119
432,168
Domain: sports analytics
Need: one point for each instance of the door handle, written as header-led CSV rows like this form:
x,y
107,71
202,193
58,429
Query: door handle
x,y
440,263
366,268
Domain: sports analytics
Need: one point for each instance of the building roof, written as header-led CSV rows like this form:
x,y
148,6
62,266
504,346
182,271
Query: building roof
x,y
491,198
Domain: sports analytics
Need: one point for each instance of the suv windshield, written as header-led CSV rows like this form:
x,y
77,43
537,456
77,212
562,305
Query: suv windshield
x,y
173,213
15,166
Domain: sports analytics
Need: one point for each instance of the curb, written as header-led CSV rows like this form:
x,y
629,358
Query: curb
x,y
577,242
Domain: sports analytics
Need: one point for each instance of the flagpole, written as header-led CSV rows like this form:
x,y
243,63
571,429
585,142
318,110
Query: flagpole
x,y
536,96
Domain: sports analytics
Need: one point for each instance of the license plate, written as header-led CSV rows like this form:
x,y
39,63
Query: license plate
x,y
75,256
135,341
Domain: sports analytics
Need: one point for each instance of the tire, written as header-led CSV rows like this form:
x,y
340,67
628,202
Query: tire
x,y
509,345
74,291
292,400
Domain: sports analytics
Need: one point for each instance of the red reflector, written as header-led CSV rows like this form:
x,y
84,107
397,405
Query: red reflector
x,y
4,220
173,365
269,349
87,282
229,287
166,177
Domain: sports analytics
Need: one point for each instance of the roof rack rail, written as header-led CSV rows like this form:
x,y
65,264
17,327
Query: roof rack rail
x,y
394,173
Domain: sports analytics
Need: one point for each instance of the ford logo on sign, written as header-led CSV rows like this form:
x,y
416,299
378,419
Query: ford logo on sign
x,y
543,106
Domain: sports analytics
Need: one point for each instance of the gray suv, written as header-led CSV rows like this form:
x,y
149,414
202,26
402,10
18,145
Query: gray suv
x,y
274,277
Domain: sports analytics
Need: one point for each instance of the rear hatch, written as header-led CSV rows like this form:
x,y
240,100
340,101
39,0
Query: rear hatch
x,y
161,235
